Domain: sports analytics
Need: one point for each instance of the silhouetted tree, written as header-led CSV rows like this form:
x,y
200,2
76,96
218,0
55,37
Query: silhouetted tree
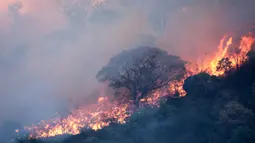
x,y
224,65
142,70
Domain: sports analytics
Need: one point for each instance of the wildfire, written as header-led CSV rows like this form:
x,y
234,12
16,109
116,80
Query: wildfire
x,y
236,55
99,115
94,116
226,49
176,87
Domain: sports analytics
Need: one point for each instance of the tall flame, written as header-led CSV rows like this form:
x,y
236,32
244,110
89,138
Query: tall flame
x,y
226,49
236,55
97,116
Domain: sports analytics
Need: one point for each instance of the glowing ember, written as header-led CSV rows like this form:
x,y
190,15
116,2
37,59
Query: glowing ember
x,y
95,117
104,112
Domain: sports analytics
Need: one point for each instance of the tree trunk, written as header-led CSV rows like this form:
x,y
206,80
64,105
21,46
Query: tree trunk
x,y
134,96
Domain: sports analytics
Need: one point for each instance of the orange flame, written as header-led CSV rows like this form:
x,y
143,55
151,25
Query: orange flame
x,y
104,112
81,118
210,65
226,49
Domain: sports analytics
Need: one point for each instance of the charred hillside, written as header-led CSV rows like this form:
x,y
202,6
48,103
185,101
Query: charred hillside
x,y
215,110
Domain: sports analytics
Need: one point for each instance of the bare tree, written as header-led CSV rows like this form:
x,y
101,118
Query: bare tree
x,y
77,11
142,70
13,9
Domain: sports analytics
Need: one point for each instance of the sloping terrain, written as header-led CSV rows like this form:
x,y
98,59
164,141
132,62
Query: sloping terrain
x,y
215,110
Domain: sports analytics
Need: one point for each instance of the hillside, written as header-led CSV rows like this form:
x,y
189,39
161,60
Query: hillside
x,y
215,110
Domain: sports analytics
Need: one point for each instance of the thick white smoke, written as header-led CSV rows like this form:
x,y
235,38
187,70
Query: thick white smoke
x,y
48,55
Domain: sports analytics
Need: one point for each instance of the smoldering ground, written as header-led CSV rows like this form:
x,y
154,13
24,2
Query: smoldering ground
x,y
48,56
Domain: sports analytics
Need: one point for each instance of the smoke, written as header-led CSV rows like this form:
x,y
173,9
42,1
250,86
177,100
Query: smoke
x,y
47,57
49,54
194,29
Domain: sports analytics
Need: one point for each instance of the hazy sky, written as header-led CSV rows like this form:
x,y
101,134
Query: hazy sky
x,y
48,55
